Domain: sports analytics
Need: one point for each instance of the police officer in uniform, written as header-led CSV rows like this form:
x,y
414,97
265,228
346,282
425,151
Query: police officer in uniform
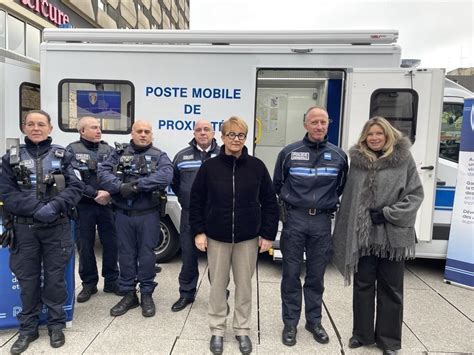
x,y
186,165
309,178
89,152
135,175
39,188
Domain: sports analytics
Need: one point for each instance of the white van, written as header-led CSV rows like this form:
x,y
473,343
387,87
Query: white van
x,y
173,78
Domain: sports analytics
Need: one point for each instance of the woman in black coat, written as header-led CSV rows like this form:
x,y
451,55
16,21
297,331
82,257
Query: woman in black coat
x,y
233,212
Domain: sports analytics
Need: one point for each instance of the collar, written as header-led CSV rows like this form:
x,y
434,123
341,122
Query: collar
x,y
89,145
230,159
138,149
211,147
38,149
315,145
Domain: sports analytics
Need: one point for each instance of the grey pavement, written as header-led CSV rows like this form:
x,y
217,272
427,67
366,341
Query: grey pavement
x,y
438,318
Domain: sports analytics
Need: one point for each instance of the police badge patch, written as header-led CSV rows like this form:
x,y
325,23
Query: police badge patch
x,y
299,155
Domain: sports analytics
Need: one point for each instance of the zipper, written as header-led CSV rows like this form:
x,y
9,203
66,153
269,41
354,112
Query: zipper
x,y
233,200
39,174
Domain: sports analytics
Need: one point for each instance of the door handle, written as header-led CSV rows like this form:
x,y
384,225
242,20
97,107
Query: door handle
x,y
428,167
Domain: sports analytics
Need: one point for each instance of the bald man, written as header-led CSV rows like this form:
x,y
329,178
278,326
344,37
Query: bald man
x,y
134,175
94,211
186,165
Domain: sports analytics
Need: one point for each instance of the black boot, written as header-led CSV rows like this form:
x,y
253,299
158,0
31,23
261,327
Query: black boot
x,y
129,301
216,345
56,338
86,293
22,343
148,306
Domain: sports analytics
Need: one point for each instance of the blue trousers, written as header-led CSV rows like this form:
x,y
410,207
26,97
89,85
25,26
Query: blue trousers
x,y
90,217
137,238
52,248
311,234
189,275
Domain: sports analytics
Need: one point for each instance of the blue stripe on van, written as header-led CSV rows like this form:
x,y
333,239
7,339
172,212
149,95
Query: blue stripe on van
x,y
444,198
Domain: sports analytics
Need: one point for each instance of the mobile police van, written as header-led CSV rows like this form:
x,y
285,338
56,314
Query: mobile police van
x,y
173,78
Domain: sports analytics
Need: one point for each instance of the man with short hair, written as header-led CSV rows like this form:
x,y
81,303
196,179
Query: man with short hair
x,y
309,178
186,165
39,188
136,175
94,212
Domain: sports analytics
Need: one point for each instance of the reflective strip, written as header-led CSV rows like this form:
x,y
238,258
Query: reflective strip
x,y
189,164
303,171
327,171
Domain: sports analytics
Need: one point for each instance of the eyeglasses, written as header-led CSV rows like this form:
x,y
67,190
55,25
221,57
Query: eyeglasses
x,y
204,129
240,136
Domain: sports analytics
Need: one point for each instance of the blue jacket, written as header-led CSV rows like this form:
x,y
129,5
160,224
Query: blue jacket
x,y
311,174
23,197
148,167
186,164
87,158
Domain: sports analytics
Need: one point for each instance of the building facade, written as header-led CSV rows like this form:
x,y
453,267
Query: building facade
x,y
22,21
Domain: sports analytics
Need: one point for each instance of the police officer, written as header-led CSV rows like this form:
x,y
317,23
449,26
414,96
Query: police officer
x,y
309,178
89,152
134,174
39,188
186,165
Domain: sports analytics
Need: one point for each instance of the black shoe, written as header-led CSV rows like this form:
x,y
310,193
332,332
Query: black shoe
x,y
354,343
157,268
216,345
148,306
129,301
389,352
112,287
181,304
56,338
319,334
288,336
22,343
245,344
86,293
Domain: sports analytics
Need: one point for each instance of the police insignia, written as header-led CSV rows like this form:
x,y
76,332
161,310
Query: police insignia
x,y
327,156
188,157
299,155
56,164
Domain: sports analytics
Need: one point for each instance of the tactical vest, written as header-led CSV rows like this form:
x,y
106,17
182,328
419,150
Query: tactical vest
x,y
134,165
87,161
42,177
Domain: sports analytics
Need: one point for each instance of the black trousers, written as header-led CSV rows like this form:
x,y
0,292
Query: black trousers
x,y
189,275
382,280
35,247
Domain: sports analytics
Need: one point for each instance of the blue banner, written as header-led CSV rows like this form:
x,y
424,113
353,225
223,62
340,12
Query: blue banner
x,y
10,303
101,104
460,258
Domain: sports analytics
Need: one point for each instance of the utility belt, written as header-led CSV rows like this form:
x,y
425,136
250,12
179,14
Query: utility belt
x,y
32,221
134,213
311,211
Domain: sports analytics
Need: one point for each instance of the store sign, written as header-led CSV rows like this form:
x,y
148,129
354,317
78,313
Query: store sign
x,y
47,10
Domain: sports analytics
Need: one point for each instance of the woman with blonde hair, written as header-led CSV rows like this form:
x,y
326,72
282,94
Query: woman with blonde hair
x,y
375,234
233,213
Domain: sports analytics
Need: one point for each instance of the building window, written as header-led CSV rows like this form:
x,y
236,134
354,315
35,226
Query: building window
x,y
399,107
3,32
16,35
110,101
29,99
33,40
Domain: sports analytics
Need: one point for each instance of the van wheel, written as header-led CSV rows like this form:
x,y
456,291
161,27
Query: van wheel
x,y
169,246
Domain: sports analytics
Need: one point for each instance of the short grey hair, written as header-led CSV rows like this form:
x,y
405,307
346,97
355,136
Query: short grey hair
x,y
81,122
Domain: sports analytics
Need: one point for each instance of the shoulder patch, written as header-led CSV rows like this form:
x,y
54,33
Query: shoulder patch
x,y
188,157
299,156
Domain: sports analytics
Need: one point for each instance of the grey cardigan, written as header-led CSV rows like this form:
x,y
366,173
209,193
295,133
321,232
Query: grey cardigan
x,y
389,183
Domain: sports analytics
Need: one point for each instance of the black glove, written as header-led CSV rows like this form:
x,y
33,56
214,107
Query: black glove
x,y
128,190
377,217
6,239
48,213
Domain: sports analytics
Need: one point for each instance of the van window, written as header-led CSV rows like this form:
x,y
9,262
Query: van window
x,y
450,138
398,106
110,101
29,99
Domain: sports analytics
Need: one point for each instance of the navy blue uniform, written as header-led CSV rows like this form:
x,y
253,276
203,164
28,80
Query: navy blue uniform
x,y
87,157
44,177
309,177
137,219
186,165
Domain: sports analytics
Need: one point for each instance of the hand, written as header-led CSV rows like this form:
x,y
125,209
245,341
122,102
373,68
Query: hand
x,y
264,244
201,241
103,197
48,213
128,189
377,217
